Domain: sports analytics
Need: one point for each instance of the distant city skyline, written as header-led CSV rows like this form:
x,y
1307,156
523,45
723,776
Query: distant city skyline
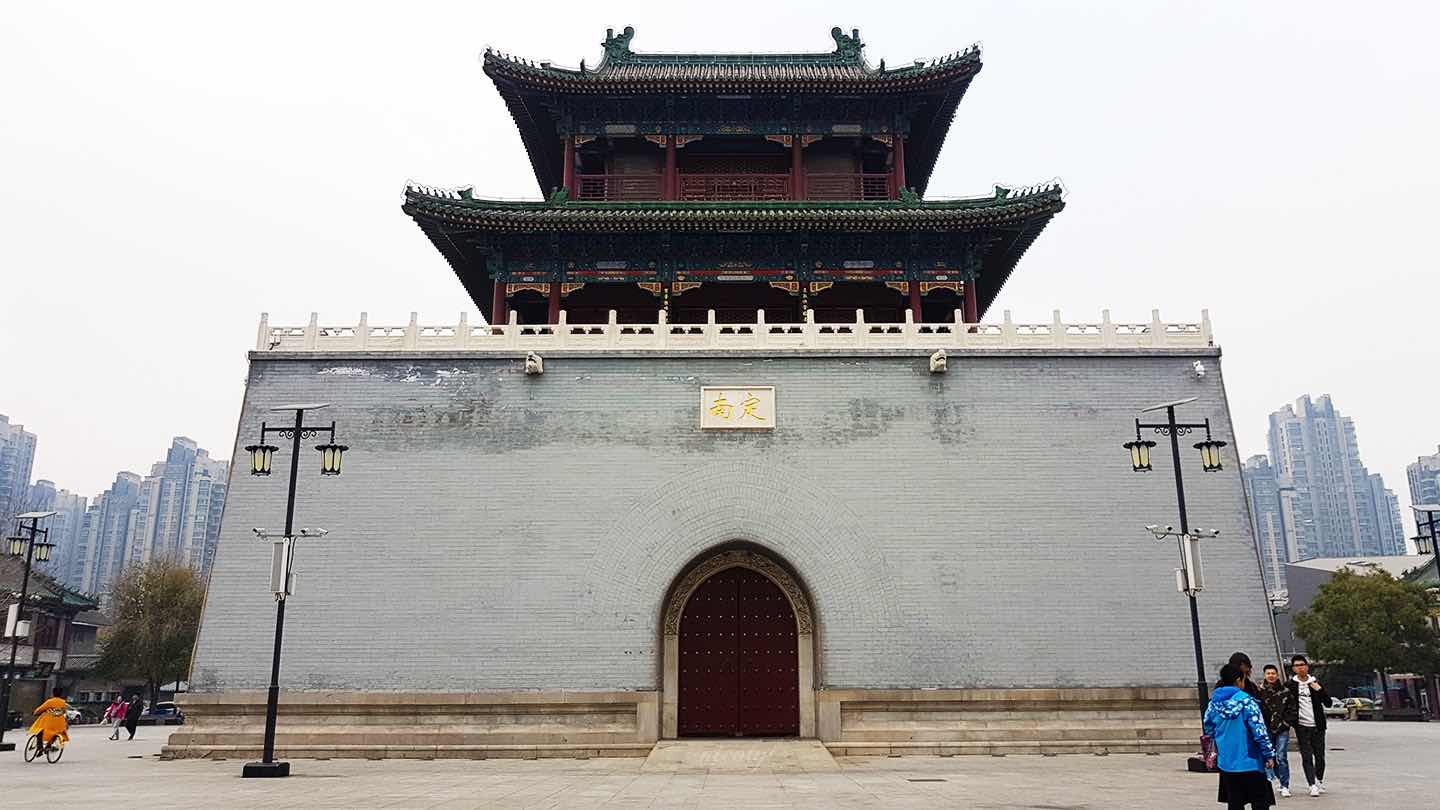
x,y
1313,496
174,512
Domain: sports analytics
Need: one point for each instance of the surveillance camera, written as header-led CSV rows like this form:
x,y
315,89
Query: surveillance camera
x,y
259,532
1199,370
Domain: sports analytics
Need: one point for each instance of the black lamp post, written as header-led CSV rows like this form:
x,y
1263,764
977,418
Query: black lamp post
x,y
261,457
34,544
1210,461
1428,542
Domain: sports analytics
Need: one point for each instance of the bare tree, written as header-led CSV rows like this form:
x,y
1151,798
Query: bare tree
x,y
157,614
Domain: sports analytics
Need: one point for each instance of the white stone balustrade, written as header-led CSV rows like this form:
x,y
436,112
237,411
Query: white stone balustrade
x,y
512,336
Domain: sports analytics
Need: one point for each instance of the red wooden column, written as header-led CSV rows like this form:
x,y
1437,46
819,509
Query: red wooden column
x,y
972,307
554,316
797,169
671,181
898,169
915,300
497,304
569,158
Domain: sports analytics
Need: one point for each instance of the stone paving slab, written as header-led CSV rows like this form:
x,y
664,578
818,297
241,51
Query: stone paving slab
x,y
1373,766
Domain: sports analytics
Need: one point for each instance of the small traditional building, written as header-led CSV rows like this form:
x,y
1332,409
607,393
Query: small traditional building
x,y
734,454
59,628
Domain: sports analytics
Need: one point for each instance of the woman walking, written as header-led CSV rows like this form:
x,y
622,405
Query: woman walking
x,y
1242,741
115,713
132,715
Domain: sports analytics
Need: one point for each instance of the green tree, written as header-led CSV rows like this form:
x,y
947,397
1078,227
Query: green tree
x,y
1370,622
156,608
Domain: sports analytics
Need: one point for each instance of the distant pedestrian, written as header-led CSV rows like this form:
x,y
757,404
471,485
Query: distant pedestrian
x,y
1280,717
1310,702
114,715
132,715
1233,719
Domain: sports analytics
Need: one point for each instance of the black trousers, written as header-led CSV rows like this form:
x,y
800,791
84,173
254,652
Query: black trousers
x,y
1312,752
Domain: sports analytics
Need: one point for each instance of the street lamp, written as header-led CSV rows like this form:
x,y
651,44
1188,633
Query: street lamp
x,y
1188,578
1425,543
33,543
262,455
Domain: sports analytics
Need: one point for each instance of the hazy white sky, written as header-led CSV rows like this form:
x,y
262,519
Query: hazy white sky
x,y
172,170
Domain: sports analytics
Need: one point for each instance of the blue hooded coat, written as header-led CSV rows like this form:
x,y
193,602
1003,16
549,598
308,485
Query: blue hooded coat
x,y
1233,719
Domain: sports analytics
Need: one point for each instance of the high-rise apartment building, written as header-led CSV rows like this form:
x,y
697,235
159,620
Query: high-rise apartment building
x,y
101,554
177,515
1424,479
1387,515
65,526
1314,448
1262,489
17,461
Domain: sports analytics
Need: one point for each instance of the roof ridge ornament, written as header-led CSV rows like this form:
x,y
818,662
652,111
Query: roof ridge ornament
x,y
847,47
617,49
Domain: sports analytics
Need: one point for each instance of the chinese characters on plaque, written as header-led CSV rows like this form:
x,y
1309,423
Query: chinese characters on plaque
x,y
737,407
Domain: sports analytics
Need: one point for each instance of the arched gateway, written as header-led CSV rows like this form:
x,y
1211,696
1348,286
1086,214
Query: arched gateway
x,y
739,655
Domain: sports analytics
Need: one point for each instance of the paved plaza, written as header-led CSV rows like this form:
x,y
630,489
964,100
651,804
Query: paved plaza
x,y
1373,766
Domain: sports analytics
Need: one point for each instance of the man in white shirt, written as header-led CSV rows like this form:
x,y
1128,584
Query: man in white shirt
x,y
1311,700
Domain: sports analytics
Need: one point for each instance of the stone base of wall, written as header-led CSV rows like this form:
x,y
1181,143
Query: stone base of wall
x,y
323,725
946,722
532,725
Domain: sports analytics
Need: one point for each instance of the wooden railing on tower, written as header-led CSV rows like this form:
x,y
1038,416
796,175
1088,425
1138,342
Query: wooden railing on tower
x,y
835,186
619,187
734,187
819,186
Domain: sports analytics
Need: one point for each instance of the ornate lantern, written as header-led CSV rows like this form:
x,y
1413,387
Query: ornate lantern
x,y
261,456
17,545
1210,454
1140,454
42,551
330,456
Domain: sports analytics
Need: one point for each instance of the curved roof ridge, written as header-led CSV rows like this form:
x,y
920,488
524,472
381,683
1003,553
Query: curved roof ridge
x,y
848,57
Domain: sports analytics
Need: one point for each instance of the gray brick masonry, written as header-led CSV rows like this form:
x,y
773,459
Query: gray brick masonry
x,y
496,531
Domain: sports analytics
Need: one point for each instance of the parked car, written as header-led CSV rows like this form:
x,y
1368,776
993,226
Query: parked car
x,y
1336,708
1360,703
76,716
164,713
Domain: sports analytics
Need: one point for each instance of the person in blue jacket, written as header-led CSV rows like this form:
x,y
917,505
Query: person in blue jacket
x,y
1242,742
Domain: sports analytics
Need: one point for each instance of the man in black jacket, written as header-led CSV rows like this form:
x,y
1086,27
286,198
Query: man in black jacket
x,y
1311,700
1278,703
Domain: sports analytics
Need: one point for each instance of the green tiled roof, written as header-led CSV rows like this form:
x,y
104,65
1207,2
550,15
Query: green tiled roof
x,y
1005,207
845,68
42,588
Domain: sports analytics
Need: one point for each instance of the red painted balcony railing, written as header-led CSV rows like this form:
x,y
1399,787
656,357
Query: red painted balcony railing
x,y
827,186
824,186
739,187
619,187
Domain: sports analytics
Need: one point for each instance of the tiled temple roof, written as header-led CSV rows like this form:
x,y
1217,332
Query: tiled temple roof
x,y
1005,207
844,69
534,90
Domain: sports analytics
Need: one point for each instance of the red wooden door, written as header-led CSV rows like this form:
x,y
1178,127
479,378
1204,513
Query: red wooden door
x,y
738,661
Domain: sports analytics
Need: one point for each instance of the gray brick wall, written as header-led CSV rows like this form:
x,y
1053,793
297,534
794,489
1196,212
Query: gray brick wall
x,y
497,531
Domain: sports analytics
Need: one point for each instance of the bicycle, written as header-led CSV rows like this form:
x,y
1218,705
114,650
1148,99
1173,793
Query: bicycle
x,y
53,751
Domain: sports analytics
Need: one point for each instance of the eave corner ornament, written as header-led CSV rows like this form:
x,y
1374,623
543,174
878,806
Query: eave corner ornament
x,y
758,563
847,47
617,48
